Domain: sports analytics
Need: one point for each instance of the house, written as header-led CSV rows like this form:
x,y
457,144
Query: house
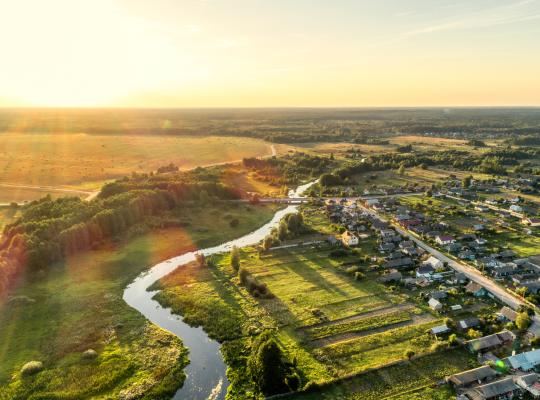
x,y
507,314
524,361
530,383
456,307
501,389
391,276
425,271
459,278
504,270
371,202
490,342
475,289
444,240
386,247
398,263
434,263
439,330
468,323
532,286
438,294
349,238
516,208
531,221
473,376
435,304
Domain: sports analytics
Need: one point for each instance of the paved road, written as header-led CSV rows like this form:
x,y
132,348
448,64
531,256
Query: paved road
x,y
472,273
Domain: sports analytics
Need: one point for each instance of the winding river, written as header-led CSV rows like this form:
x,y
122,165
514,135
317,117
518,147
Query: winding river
x,y
206,378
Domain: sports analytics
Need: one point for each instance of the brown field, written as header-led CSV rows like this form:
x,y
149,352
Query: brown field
x,y
84,162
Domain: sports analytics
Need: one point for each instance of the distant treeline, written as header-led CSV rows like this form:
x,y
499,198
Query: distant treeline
x,y
49,230
292,168
491,162
282,125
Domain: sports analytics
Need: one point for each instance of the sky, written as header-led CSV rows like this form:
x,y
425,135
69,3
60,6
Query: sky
x,y
269,53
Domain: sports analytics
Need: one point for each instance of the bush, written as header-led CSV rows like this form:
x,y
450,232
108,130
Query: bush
x,y
89,354
31,368
234,223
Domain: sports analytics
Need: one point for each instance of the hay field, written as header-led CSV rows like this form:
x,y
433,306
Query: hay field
x,y
85,162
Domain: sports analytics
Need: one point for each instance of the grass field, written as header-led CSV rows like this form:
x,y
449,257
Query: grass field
x,y
85,162
316,303
78,306
409,380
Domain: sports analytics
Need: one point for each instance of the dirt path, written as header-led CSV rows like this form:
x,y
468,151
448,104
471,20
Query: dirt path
x,y
374,313
344,337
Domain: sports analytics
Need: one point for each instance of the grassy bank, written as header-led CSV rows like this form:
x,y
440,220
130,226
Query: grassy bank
x,y
78,306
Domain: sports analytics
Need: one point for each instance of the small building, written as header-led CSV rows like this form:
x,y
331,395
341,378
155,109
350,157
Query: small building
x,y
399,263
516,208
439,330
530,383
349,238
444,240
456,307
507,314
392,276
473,376
524,361
425,271
490,342
468,323
438,294
435,304
475,289
434,262
501,389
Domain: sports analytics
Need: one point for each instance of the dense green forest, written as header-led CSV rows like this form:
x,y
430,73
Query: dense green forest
x,y
49,230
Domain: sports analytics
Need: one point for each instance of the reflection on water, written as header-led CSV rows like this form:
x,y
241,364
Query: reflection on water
x,y
206,377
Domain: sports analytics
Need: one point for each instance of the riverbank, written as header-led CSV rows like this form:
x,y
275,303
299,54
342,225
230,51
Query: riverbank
x,y
78,306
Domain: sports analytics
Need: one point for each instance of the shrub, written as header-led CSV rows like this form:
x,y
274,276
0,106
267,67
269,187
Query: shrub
x,y
234,223
31,368
89,354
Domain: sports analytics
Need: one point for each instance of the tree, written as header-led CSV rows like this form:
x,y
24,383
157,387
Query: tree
x,y
266,366
267,243
235,258
474,334
467,181
200,259
401,169
523,321
283,230
409,354
452,339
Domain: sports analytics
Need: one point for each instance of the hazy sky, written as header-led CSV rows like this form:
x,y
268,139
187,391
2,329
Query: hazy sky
x,y
229,53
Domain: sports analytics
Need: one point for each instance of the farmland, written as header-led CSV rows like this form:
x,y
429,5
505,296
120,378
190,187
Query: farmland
x,y
330,323
84,162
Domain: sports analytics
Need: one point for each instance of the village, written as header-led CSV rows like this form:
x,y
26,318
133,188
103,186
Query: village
x,y
448,249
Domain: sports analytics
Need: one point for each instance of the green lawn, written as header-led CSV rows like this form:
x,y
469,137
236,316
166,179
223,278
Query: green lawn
x,y
54,318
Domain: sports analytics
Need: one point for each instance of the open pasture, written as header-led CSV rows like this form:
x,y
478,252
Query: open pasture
x,y
84,162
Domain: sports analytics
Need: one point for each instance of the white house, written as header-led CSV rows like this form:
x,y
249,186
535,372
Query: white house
x,y
372,202
435,304
349,239
445,239
434,262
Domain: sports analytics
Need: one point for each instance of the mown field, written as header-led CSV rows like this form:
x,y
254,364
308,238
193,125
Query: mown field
x,y
84,162
77,306
329,323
